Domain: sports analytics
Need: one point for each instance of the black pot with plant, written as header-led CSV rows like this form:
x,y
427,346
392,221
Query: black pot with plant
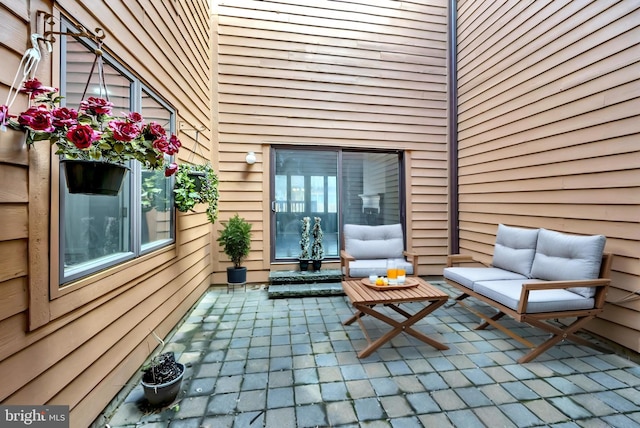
x,y
162,379
196,184
235,238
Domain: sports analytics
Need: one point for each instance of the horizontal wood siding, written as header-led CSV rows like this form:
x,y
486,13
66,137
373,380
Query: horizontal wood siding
x,y
549,124
365,74
81,347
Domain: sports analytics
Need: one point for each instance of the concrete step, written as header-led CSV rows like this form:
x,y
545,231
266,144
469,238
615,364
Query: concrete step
x,y
304,277
276,291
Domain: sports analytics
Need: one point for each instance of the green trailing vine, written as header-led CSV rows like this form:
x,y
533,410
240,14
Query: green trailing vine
x,y
187,195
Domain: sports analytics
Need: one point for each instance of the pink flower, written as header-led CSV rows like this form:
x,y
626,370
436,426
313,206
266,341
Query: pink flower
x,y
82,136
156,129
4,114
161,144
170,169
35,88
124,131
96,106
173,145
135,117
37,118
62,116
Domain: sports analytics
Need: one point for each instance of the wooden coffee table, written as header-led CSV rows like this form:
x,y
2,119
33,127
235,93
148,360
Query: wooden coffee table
x,y
365,299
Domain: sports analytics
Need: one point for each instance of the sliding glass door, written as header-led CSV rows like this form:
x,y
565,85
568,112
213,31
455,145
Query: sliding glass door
x,y
336,185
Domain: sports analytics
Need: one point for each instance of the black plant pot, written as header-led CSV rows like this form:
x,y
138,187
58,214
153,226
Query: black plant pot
x,y
197,177
93,178
236,275
164,393
304,265
317,264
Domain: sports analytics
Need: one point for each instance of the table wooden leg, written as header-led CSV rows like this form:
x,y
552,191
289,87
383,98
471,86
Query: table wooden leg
x,y
356,317
398,326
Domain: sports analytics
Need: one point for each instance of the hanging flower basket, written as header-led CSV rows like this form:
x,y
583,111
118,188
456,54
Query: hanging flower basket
x,y
91,133
196,184
93,178
197,177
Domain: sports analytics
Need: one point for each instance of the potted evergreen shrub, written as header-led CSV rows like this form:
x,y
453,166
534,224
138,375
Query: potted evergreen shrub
x,y
304,243
317,250
235,238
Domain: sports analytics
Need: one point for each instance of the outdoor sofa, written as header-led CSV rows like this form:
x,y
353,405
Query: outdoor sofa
x,y
536,276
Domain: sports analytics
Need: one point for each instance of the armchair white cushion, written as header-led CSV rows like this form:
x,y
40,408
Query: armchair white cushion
x,y
368,248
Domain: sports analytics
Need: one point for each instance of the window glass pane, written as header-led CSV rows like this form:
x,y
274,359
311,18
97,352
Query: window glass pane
x,y
96,229
100,231
317,194
371,188
297,194
156,205
305,186
156,191
78,65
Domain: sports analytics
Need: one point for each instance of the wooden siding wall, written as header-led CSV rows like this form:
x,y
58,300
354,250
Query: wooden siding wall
x,y
363,73
82,347
549,131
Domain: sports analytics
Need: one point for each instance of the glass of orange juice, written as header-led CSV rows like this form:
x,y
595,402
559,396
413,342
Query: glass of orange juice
x,y
392,273
402,275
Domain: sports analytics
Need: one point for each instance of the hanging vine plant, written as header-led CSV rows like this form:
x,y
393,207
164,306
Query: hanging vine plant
x,y
187,193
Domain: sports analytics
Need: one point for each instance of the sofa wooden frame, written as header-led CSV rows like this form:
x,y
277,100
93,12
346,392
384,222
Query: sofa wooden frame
x,y
539,319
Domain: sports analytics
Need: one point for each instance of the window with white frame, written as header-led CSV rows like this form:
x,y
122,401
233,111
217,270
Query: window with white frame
x,y
99,231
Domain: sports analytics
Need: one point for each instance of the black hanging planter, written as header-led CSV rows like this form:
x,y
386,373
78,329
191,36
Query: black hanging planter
x,y
304,265
317,264
93,178
236,275
197,177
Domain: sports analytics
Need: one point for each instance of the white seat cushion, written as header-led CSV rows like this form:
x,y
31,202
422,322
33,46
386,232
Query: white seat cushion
x,y
468,276
378,267
508,293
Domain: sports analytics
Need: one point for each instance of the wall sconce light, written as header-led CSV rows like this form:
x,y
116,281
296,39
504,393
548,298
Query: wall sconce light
x,y
251,158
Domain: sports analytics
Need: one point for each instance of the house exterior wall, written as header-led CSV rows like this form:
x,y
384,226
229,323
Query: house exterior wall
x,y
548,128
81,346
333,73
548,133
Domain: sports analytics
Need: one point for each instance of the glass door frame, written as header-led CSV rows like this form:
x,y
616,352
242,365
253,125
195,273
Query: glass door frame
x,y
339,177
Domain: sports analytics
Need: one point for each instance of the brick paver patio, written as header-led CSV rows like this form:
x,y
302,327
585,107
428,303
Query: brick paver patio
x,y
259,362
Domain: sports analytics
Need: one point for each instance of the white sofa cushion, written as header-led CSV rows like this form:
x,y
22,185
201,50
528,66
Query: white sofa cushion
x,y
515,248
373,242
508,293
378,267
467,276
563,257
